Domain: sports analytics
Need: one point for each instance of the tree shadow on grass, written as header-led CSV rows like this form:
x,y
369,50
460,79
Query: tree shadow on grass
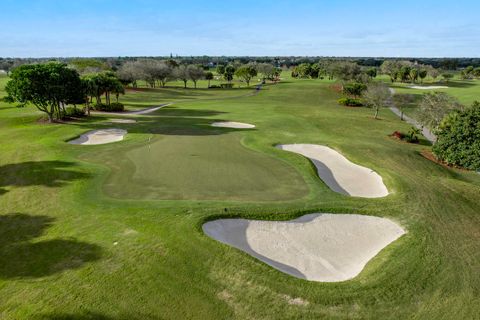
x,y
22,257
71,316
89,315
173,122
32,173
172,111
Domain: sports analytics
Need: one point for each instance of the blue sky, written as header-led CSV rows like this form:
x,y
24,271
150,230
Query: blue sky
x,y
421,28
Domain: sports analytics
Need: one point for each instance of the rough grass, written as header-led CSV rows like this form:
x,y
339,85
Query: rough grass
x,y
83,254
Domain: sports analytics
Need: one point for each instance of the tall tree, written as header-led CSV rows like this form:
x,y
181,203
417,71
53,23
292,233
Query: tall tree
x,y
434,107
181,73
246,73
229,72
195,73
377,96
48,86
209,77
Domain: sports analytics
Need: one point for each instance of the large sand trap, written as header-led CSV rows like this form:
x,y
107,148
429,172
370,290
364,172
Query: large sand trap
x,y
317,247
99,137
339,173
232,124
121,120
428,87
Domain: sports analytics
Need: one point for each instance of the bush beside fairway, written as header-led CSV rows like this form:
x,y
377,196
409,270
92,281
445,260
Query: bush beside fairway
x,y
68,250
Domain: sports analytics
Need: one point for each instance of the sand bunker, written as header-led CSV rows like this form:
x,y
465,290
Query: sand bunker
x,y
339,173
232,124
317,247
428,87
122,120
99,137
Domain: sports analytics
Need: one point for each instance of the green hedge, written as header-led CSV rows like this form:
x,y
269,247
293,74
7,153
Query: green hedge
x,y
112,107
349,102
458,138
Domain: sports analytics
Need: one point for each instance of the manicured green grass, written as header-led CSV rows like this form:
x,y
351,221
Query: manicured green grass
x,y
466,91
72,246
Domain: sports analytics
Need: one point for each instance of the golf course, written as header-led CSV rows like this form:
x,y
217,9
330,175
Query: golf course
x,y
114,230
252,160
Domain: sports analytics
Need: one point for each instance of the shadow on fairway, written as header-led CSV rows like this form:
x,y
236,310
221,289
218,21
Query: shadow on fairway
x,y
180,112
172,121
22,258
88,315
69,316
32,173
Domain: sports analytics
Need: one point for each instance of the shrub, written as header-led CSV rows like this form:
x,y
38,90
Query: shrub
x,y
100,106
74,112
214,86
226,85
354,89
412,135
349,102
116,106
112,107
458,138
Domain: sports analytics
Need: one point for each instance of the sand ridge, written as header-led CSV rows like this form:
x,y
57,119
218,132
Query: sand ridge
x,y
428,87
339,173
101,136
317,247
232,124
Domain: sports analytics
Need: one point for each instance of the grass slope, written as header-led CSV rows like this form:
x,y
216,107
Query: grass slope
x,y
68,250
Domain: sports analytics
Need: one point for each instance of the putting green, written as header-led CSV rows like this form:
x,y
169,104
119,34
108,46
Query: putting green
x,y
200,166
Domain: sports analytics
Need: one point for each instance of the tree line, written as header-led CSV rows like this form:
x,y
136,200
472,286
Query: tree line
x,y
156,73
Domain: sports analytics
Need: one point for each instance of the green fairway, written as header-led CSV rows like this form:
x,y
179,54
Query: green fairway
x,y
114,231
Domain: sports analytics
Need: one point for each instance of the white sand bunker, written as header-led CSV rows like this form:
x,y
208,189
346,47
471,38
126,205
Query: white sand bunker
x,y
122,120
99,137
317,247
232,124
339,173
428,87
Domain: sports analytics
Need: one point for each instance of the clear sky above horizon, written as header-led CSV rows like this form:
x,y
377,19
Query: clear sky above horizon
x,y
407,28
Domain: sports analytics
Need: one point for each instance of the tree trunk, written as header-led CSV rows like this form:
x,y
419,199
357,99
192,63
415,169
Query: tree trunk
x,y
209,83
376,113
195,84
185,84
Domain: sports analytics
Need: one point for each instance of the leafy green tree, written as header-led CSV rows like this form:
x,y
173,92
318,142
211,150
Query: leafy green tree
x,y
422,74
476,72
414,73
458,138
447,76
209,77
182,73
402,101
391,68
304,70
246,73
220,69
371,72
195,73
266,70
354,89
229,73
376,96
48,86
404,73
346,70
434,107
